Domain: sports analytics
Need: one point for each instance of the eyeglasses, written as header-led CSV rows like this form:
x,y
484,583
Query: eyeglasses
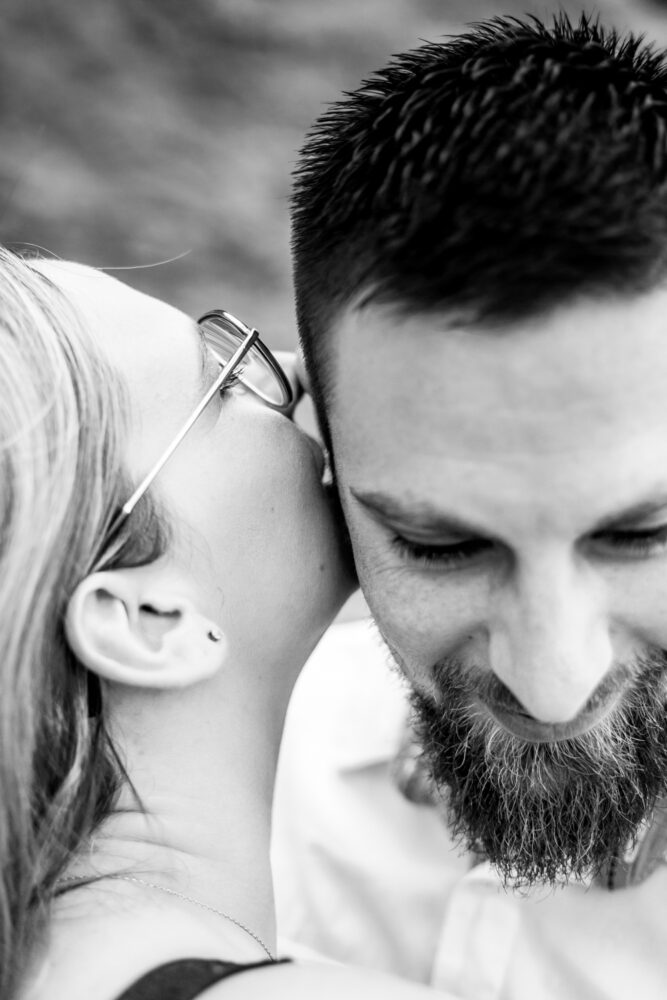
x,y
240,353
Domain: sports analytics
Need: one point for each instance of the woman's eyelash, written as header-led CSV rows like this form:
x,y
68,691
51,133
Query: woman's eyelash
x,y
233,380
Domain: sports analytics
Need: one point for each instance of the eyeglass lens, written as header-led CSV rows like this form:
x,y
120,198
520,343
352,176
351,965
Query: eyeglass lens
x,y
257,370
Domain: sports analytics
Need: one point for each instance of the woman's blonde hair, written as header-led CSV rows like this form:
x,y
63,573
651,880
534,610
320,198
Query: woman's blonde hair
x,y
62,481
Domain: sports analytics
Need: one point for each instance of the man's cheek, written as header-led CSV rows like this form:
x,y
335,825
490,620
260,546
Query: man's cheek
x,y
406,610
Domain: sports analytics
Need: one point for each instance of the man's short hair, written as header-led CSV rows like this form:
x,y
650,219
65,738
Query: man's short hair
x,y
492,174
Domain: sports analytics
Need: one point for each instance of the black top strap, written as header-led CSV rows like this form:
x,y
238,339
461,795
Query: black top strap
x,y
186,978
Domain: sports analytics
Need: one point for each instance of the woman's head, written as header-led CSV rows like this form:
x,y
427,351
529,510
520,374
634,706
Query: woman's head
x,y
94,380
253,541
61,479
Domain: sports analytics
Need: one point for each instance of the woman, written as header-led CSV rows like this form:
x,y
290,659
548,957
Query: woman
x,y
168,560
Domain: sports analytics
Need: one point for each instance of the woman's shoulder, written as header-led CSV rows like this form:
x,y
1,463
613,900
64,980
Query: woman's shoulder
x,y
100,956
104,957
225,980
325,981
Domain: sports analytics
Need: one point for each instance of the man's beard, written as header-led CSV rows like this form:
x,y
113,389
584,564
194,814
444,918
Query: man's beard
x,y
545,812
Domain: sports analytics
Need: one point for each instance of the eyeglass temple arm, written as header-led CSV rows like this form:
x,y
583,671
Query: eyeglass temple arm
x,y
222,378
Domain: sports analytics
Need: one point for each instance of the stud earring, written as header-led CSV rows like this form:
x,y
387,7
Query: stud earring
x,y
214,634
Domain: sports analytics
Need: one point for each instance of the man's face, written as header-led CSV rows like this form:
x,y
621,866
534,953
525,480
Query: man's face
x,y
506,495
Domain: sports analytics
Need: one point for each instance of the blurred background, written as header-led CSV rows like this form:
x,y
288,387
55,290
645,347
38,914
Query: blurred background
x,y
162,130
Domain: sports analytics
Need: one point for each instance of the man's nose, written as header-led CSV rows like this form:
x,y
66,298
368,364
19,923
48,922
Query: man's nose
x,y
549,638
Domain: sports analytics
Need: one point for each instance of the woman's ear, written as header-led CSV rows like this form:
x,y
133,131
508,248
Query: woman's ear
x,y
133,627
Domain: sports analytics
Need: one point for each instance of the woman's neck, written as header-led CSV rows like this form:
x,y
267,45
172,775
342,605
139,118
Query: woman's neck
x,y
202,764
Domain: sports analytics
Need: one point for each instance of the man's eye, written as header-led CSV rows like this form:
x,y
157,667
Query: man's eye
x,y
649,542
444,556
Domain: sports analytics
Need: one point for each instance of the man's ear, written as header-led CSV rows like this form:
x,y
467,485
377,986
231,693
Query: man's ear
x,y
132,627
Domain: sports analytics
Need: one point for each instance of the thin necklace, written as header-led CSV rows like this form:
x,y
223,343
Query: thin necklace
x,y
180,895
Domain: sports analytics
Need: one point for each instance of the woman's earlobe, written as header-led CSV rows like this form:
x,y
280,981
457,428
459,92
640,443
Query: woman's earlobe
x,y
129,629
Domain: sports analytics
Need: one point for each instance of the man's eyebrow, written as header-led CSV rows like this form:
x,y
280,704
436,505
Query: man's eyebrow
x,y
420,515
641,511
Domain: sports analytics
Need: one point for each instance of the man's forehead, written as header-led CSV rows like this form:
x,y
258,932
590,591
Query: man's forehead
x,y
591,361
567,411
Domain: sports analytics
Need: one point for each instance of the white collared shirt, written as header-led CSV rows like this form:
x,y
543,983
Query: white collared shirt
x,y
366,877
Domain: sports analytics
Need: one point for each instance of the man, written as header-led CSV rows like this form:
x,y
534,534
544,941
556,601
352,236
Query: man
x,y
480,239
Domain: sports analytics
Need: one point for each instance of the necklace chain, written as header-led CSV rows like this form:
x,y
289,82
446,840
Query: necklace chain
x,y
180,895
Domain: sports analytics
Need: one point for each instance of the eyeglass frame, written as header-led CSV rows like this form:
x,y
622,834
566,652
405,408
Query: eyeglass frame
x,y
250,339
